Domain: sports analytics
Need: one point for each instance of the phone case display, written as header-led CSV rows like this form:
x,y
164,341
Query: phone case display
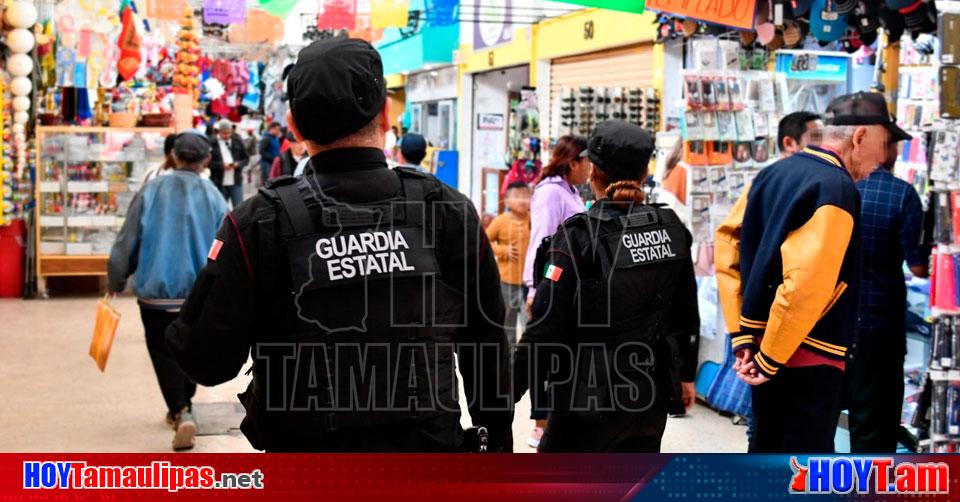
x,y
729,133
937,408
578,111
86,179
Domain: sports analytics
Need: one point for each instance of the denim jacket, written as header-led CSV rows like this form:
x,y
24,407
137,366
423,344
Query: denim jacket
x,y
165,238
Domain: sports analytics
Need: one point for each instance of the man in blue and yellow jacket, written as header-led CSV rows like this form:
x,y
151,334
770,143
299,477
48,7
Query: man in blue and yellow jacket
x,y
788,271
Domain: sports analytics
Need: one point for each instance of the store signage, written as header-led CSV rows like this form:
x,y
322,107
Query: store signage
x,y
735,13
813,66
492,26
490,121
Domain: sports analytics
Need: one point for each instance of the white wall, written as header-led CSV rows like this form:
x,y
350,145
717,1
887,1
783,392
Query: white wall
x,y
490,95
432,85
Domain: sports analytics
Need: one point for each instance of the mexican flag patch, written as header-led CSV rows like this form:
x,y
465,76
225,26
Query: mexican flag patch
x,y
553,273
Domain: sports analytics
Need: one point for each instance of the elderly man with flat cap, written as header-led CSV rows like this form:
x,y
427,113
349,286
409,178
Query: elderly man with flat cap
x,y
352,287
788,273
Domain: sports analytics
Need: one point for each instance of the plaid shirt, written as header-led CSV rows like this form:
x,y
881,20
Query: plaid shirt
x,y
891,218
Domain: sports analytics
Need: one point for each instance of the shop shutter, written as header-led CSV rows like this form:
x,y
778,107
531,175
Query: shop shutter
x,y
621,67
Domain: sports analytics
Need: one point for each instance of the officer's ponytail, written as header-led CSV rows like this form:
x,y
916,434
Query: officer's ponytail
x,y
617,191
626,191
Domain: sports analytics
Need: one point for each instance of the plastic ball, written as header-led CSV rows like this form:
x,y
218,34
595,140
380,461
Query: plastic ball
x,y
21,86
20,40
21,104
20,65
19,128
21,14
21,118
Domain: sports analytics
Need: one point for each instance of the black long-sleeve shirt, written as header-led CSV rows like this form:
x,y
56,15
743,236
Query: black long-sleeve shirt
x,y
561,304
224,317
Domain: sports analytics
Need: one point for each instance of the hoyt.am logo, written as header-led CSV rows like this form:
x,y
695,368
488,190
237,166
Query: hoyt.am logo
x,y
879,475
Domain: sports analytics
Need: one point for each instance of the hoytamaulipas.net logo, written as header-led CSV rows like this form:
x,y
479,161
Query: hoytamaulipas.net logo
x,y
877,475
69,475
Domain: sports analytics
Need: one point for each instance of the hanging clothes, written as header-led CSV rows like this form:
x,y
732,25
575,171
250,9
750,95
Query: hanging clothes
x,y
252,98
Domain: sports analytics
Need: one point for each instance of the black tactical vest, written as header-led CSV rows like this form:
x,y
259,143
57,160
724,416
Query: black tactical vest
x,y
629,262
365,323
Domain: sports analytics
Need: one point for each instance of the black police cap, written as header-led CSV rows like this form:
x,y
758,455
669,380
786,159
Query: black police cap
x,y
861,109
620,149
335,88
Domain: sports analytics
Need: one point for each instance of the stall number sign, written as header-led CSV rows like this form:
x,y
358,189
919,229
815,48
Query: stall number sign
x,y
490,121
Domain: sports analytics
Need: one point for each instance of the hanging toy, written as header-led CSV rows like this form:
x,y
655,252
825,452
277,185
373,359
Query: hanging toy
x,y
129,42
186,79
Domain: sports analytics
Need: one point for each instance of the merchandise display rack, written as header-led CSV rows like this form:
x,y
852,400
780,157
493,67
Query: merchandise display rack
x,y
86,178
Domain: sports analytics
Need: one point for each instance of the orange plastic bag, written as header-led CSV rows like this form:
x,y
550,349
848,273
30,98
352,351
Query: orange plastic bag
x,y
103,332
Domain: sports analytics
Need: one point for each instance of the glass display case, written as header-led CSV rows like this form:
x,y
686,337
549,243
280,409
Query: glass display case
x,y
86,179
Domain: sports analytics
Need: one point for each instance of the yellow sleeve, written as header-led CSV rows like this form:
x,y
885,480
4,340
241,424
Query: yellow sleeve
x,y
812,256
493,234
727,261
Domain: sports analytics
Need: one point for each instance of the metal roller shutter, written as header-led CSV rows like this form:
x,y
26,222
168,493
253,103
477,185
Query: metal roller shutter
x,y
622,67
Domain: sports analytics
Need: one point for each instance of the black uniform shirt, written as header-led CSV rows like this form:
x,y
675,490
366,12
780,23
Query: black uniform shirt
x,y
571,264
223,317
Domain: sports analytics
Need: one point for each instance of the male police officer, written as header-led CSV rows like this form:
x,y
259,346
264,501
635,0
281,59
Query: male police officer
x,y
352,287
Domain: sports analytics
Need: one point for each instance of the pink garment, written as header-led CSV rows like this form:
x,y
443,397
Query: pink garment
x,y
519,172
554,200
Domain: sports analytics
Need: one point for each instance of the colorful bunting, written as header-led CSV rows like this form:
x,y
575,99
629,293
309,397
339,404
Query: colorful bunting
x,y
224,11
442,12
279,8
259,28
337,15
634,6
389,13
166,10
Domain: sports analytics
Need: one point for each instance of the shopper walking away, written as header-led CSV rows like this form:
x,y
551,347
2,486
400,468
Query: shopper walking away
x,y
355,274
286,164
797,131
164,241
891,219
509,234
555,198
788,273
167,166
619,293
228,158
413,149
269,150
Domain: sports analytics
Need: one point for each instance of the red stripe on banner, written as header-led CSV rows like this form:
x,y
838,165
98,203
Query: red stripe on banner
x,y
338,477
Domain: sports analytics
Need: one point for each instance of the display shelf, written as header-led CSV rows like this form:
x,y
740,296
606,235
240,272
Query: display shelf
x,y
85,176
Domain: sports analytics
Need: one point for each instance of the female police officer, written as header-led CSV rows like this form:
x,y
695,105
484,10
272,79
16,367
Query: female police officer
x,y
614,326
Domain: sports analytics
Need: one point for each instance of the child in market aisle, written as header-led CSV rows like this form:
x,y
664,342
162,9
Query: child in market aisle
x,y
509,236
165,240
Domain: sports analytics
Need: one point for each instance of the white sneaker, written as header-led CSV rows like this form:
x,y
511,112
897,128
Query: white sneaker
x,y
185,437
534,440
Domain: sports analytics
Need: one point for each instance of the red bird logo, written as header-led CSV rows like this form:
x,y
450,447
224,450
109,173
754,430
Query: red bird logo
x,y
799,481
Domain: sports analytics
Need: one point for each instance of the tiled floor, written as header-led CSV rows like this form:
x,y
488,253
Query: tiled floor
x,y
55,399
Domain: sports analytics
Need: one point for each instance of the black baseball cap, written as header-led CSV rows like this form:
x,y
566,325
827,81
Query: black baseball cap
x,y
413,145
861,109
335,88
190,147
620,149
